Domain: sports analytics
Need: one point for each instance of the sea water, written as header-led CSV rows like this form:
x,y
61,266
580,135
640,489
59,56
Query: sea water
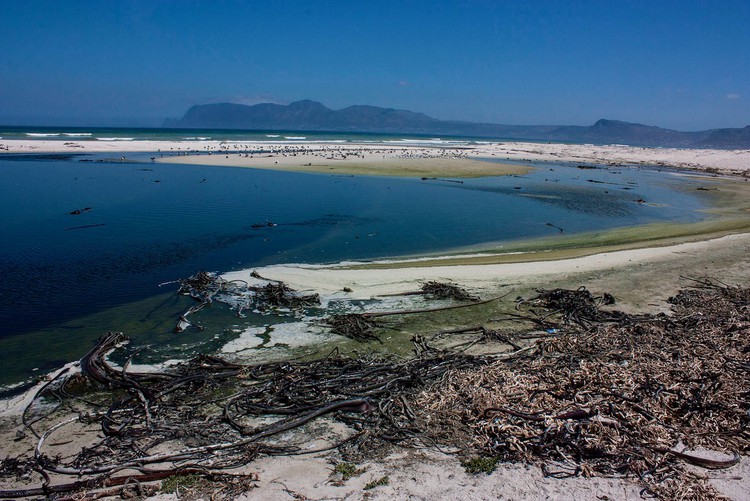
x,y
87,240
93,134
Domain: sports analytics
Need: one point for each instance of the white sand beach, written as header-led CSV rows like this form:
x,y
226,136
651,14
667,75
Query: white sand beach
x,y
367,283
335,157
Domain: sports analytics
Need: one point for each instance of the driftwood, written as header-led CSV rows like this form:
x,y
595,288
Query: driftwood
x,y
91,484
179,405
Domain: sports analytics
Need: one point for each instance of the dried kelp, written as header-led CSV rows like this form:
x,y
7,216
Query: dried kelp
x,y
576,306
279,295
440,290
615,394
212,414
608,394
357,326
203,287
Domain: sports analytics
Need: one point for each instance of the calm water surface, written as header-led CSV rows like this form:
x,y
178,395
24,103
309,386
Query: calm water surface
x,y
142,224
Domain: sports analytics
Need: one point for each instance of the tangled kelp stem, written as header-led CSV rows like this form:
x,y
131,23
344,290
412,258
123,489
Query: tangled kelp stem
x,y
616,394
207,287
439,290
609,394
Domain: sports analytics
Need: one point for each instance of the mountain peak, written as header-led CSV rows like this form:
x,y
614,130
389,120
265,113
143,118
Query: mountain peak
x,y
307,103
605,122
310,115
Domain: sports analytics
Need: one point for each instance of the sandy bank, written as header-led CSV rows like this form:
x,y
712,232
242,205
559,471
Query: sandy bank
x,y
641,279
367,283
372,163
324,156
735,161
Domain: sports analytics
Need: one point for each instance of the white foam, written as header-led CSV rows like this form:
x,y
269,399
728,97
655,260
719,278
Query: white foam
x,y
288,335
115,138
243,274
419,142
15,406
76,134
296,138
272,135
249,338
42,134
149,368
292,141
296,334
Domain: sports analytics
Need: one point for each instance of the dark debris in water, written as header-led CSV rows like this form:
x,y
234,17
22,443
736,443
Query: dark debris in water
x,y
206,287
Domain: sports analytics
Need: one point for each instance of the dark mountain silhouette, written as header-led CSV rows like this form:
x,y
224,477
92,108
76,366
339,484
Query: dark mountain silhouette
x,y
728,138
311,115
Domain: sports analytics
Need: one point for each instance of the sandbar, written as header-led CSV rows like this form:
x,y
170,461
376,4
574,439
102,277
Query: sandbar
x,y
371,163
391,159
403,275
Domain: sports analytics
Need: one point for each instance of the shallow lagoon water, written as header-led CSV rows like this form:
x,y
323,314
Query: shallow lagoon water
x,y
67,278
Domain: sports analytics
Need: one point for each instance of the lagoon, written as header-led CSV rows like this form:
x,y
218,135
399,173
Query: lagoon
x,y
142,224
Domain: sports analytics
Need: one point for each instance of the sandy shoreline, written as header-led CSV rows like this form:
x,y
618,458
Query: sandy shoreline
x,y
640,278
368,283
324,156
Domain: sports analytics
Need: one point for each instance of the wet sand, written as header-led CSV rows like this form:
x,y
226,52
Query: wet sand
x,y
374,163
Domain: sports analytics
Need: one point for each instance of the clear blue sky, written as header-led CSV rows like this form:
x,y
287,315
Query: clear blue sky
x,y
678,64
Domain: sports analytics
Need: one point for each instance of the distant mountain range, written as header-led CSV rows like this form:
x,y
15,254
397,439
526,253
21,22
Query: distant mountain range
x,y
313,116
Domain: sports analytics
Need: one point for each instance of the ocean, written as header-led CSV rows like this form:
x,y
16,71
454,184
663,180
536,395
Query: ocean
x,y
229,135
88,239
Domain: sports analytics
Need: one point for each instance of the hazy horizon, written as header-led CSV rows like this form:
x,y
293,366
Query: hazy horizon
x,y
675,65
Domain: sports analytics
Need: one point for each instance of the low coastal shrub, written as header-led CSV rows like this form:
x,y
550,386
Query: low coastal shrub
x,y
348,470
478,465
176,483
377,483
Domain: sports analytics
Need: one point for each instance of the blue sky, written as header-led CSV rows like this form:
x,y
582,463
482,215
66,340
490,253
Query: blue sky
x,y
677,64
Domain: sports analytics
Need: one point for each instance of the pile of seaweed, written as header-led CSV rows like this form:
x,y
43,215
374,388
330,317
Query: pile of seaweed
x,y
439,290
612,393
586,390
